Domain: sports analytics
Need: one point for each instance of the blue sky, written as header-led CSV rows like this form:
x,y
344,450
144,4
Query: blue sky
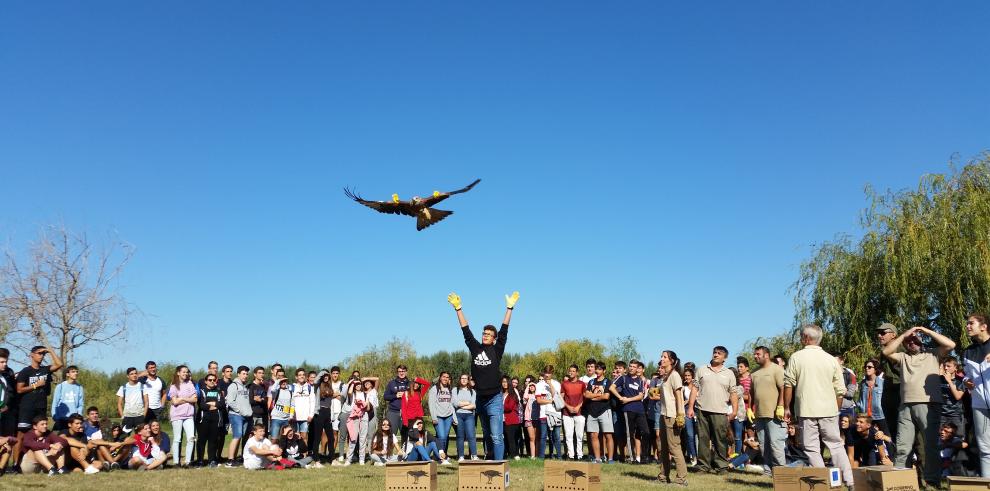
x,y
658,169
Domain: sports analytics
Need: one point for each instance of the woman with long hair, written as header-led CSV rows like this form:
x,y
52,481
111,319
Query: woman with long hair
x,y
531,417
211,406
442,409
464,399
510,406
384,447
871,393
671,409
182,394
321,432
420,446
357,421
737,421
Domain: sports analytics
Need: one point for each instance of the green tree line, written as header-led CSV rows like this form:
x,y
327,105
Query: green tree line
x,y
923,258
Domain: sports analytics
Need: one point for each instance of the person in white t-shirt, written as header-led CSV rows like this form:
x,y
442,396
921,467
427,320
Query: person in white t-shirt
x,y
155,389
132,402
259,451
550,418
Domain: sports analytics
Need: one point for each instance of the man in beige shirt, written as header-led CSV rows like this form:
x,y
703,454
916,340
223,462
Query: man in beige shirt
x,y
714,382
813,381
921,397
767,401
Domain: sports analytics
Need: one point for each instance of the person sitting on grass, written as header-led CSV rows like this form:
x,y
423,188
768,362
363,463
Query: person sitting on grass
x,y
259,452
294,448
949,445
92,428
82,451
866,445
750,450
43,449
122,453
143,455
794,452
421,446
384,446
162,440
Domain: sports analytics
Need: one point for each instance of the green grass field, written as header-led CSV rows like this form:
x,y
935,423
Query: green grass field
x,y
524,475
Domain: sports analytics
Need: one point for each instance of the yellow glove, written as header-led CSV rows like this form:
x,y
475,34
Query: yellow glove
x,y
779,413
510,300
679,421
750,415
454,300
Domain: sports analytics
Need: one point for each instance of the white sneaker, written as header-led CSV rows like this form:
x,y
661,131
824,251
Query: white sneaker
x,y
360,462
475,457
445,462
347,463
91,470
379,464
460,459
516,457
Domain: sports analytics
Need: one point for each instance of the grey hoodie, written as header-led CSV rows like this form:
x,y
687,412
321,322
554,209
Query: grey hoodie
x,y
239,399
463,395
440,402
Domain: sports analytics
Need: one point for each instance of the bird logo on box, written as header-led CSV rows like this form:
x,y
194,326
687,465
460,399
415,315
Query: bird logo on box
x,y
575,474
491,474
416,475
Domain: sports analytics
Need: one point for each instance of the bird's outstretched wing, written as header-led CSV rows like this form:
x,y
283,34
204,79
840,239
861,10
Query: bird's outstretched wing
x,y
432,200
400,208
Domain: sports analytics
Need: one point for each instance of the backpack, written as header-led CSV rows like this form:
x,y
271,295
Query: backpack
x,y
3,393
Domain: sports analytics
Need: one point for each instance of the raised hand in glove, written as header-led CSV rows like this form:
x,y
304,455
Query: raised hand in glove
x,y
779,413
454,300
510,300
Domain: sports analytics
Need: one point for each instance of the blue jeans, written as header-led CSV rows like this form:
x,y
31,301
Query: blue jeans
x,y
690,432
420,453
238,425
443,431
739,461
276,427
737,429
465,432
554,435
491,411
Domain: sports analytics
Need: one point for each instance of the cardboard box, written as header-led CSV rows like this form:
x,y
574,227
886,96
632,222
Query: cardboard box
x,y
885,478
411,476
959,483
561,475
483,475
805,478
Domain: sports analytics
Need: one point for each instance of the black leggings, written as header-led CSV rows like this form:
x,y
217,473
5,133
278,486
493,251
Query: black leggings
x,y
209,434
322,425
511,433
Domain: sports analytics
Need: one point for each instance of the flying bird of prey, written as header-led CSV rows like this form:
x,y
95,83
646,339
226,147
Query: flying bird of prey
x,y
415,207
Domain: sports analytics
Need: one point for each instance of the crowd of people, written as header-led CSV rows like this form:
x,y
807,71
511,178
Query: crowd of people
x,y
914,407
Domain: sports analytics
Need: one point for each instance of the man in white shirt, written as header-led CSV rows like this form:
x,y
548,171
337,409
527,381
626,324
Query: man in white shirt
x,y
132,402
154,387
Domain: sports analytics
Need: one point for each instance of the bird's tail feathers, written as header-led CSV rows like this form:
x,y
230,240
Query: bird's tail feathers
x,y
435,216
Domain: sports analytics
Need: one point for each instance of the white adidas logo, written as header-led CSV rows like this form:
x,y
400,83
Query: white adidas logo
x,y
482,360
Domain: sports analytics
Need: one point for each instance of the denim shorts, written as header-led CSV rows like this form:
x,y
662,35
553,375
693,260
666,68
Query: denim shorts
x,y
302,426
238,424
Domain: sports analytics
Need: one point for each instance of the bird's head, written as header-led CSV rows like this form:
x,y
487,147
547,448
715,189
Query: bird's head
x,y
416,200
436,194
395,198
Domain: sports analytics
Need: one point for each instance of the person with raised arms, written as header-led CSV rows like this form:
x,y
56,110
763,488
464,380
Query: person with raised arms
x,y
486,370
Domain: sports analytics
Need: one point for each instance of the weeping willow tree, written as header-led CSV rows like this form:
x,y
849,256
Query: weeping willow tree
x,y
923,259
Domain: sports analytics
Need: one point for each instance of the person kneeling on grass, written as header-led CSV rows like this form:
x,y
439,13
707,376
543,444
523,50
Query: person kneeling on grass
x,y
146,455
420,446
384,446
43,449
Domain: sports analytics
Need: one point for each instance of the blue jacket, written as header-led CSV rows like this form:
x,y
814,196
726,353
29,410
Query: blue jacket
x,y
68,399
877,396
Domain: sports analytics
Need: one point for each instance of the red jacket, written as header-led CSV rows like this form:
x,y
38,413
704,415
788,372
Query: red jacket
x,y
412,402
510,406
